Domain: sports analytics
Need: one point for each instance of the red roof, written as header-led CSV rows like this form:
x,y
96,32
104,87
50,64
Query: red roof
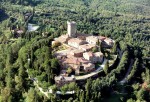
x,y
102,38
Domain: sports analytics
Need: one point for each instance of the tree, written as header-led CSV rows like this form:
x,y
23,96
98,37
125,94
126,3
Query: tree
x,y
131,100
70,99
72,86
22,75
82,96
69,70
94,49
31,96
98,96
7,95
134,70
54,88
140,94
49,72
114,49
64,89
106,66
87,89
99,45
55,65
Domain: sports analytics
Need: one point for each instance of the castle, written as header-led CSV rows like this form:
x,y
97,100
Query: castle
x,y
79,55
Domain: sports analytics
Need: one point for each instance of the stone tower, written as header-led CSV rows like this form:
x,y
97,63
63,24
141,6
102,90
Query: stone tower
x,y
71,29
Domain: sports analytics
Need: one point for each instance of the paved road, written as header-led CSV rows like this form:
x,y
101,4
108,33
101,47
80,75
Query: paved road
x,y
83,77
124,80
120,52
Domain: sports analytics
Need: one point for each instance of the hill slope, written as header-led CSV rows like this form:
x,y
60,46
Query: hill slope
x,y
124,6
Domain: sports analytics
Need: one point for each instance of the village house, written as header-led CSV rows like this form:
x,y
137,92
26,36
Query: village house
x,y
101,38
77,53
77,64
75,42
62,39
109,42
99,56
87,47
92,39
83,36
62,80
93,57
88,67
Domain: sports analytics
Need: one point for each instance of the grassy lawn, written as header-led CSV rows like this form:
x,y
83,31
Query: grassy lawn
x,y
62,47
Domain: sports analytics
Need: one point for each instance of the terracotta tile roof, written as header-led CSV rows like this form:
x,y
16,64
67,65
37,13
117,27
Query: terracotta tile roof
x,y
62,38
102,38
108,40
98,54
76,51
92,38
90,54
81,37
74,60
86,46
89,65
76,40
81,34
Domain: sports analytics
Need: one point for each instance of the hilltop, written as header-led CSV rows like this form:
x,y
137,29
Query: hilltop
x,y
30,65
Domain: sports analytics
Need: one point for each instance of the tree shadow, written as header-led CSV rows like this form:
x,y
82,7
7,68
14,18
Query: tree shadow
x,y
3,15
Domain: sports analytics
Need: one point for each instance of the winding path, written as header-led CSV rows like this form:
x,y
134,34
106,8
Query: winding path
x,y
124,80
49,91
76,77
83,77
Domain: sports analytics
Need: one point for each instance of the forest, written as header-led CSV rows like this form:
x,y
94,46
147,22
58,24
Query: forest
x,y
25,55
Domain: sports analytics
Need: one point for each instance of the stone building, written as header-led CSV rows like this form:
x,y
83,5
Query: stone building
x,y
71,30
93,57
62,80
92,39
75,42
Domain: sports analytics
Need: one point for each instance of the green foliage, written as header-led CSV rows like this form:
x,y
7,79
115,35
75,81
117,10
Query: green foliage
x,y
118,19
69,70
140,94
54,88
114,49
134,70
94,49
32,96
106,66
69,87
64,89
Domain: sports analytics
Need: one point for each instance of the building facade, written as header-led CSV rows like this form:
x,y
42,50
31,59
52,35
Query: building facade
x,y
92,39
93,57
